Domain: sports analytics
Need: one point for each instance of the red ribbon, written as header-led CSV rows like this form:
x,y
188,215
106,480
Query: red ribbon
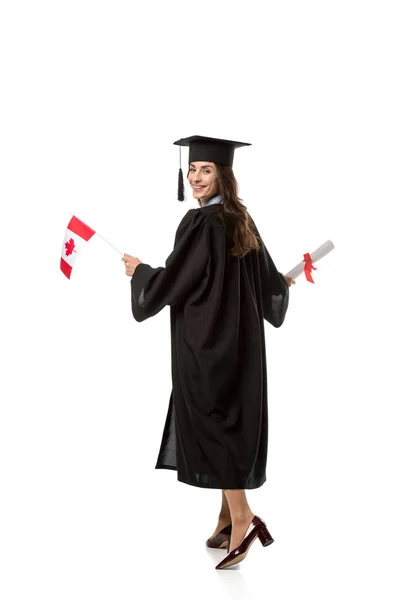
x,y
308,266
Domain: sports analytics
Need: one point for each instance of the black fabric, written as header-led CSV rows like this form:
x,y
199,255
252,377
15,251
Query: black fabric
x,y
216,428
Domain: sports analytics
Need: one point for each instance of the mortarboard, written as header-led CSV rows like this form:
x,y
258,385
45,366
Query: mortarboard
x,y
208,149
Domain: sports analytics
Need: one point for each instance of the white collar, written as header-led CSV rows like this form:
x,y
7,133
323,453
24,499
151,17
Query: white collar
x,y
214,200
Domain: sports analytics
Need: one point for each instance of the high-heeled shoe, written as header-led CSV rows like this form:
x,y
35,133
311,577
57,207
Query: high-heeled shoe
x,y
257,528
221,540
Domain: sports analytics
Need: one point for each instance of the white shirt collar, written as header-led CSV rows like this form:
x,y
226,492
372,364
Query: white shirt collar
x,y
214,200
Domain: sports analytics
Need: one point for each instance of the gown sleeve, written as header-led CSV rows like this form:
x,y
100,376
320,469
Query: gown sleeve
x,y
154,288
275,289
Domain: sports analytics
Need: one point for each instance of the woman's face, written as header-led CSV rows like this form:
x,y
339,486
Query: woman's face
x,y
203,179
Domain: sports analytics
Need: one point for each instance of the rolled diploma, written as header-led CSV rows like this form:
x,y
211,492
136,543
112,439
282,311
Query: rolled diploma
x,y
315,257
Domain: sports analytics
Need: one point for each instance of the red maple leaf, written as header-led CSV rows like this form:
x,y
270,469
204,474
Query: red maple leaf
x,y
69,247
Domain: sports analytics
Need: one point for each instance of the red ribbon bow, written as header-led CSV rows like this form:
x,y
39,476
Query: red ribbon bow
x,y
308,266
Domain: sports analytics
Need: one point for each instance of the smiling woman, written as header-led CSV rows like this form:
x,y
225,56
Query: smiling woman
x,y
203,178
220,283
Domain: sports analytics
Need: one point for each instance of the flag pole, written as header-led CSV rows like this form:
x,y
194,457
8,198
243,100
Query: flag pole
x,y
109,244
116,249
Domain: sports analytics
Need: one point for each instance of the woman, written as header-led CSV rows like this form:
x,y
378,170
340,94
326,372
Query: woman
x,y
220,283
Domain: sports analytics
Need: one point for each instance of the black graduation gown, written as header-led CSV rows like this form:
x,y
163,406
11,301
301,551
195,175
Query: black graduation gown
x,y
216,429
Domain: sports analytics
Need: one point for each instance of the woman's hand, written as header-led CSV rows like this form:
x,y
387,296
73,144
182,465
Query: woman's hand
x,y
131,262
289,280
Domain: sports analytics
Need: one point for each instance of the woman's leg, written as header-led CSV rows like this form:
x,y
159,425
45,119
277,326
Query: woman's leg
x,y
225,513
224,517
241,515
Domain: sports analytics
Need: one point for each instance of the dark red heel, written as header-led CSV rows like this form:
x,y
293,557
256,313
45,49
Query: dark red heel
x,y
257,528
221,540
265,537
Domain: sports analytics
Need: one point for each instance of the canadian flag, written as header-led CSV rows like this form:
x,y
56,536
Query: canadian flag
x,y
76,235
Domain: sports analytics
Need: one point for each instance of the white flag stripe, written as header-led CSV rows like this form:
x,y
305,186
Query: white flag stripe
x,y
78,244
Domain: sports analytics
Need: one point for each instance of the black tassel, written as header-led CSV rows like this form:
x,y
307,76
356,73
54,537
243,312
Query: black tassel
x,y
181,188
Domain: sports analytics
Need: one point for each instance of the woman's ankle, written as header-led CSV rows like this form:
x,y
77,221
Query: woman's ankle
x,y
242,516
224,517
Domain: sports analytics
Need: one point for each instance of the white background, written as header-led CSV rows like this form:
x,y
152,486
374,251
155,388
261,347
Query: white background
x,y
93,95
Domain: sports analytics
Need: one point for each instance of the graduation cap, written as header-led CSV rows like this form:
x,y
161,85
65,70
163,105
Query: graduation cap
x,y
208,149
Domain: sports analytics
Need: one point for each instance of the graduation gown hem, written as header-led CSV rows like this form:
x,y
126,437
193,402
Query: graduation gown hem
x,y
232,486
215,485
169,467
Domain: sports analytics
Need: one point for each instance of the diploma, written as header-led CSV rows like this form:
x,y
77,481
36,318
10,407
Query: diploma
x,y
306,265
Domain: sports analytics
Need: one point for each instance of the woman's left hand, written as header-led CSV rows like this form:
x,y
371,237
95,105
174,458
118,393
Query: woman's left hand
x,y
131,262
289,280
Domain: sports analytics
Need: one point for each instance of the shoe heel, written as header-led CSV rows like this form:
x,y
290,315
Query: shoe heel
x,y
265,537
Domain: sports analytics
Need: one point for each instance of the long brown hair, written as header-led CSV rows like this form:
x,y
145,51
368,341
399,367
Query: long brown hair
x,y
234,215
